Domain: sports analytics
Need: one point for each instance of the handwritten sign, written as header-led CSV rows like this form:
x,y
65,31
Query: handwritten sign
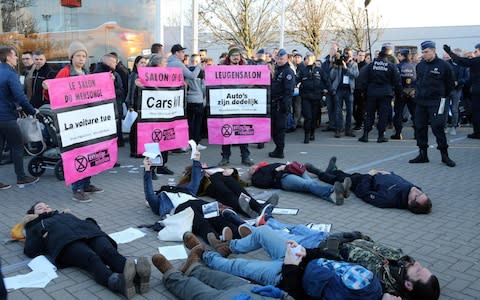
x,y
161,77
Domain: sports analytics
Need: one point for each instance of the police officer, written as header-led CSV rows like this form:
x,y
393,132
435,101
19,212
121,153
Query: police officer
x,y
283,84
434,85
379,79
314,84
408,76
474,65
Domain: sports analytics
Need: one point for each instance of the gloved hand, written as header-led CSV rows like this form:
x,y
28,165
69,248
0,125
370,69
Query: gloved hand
x,y
447,49
268,290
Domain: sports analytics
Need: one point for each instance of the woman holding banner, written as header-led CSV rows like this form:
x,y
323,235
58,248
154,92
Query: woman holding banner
x,y
77,52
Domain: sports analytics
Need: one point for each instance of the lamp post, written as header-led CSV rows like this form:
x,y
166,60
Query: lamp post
x,y
367,2
46,18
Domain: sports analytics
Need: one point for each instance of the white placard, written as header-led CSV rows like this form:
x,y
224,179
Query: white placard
x,y
127,235
162,104
87,124
173,252
238,101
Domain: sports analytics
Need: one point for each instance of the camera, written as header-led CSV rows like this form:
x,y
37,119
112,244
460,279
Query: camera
x,y
340,57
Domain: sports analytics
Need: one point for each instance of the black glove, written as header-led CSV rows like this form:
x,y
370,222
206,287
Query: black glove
x,y
447,49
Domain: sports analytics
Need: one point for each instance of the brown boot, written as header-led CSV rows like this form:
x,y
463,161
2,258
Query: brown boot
x,y
194,256
221,247
161,263
227,234
190,240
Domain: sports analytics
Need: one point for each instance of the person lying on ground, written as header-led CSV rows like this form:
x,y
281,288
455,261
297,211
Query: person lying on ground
x,y
399,274
68,241
225,186
172,200
290,270
264,175
379,188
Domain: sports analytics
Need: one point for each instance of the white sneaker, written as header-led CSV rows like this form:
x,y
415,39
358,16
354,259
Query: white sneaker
x,y
453,131
201,147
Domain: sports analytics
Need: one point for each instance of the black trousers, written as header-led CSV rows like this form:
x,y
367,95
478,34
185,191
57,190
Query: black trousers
x,y
132,138
227,151
339,175
425,115
3,290
201,226
381,104
358,107
10,133
96,255
310,112
476,113
398,108
279,125
195,117
227,190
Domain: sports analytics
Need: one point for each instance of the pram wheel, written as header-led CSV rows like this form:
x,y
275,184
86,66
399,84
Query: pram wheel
x,y
36,166
58,170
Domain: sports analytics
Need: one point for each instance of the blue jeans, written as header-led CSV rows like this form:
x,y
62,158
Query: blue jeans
x,y
301,234
261,271
306,184
160,204
343,94
81,184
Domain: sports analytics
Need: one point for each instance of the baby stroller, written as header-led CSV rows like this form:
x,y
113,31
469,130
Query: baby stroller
x,y
49,157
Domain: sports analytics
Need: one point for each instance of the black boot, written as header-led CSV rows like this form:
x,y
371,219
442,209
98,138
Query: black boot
x,y
421,158
312,135
381,138
445,159
306,140
277,153
364,137
397,136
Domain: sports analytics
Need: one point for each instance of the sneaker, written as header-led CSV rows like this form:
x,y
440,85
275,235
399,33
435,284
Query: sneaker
x,y
194,257
143,271
347,185
93,189
265,215
245,206
164,170
27,180
247,162
81,197
453,131
4,186
332,165
273,199
201,147
129,275
227,234
190,240
226,212
221,247
161,263
224,162
244,230
337,194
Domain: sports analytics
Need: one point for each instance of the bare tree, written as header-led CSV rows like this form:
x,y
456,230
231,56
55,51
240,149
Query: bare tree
x,y
309,21
351,30
15,17
250,24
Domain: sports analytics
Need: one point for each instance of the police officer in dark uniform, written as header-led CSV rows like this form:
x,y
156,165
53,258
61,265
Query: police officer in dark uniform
x,y
379,79
434,84
474,65
408,76
282,87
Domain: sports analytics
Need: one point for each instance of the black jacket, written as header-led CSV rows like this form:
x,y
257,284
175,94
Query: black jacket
x,y
267,177
474,65
33,84
434,81
282,87
50,232
380,78
313,81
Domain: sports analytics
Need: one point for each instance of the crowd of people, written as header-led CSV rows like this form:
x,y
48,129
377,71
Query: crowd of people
x,y
304,264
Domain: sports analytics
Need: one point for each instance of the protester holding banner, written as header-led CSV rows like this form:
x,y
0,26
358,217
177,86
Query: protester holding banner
x,y
12,98
78,53
132,101
195,102
283,84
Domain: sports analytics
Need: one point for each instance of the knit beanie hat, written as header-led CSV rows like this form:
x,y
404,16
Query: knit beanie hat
x,y
76,46
233,51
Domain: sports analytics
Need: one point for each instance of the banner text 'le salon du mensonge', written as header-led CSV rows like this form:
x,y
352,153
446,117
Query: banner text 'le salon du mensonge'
x,y
238,98
84,108
162,117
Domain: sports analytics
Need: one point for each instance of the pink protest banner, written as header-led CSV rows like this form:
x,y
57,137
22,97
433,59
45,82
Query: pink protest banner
x,y
237,75
89,160
80,90
161,77
170,135
228,131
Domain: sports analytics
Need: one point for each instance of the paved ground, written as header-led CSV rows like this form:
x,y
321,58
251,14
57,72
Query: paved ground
x,y
447,241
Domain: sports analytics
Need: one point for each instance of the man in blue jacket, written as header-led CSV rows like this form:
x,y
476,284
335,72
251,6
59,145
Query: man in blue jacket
x,y
379,188
12,98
